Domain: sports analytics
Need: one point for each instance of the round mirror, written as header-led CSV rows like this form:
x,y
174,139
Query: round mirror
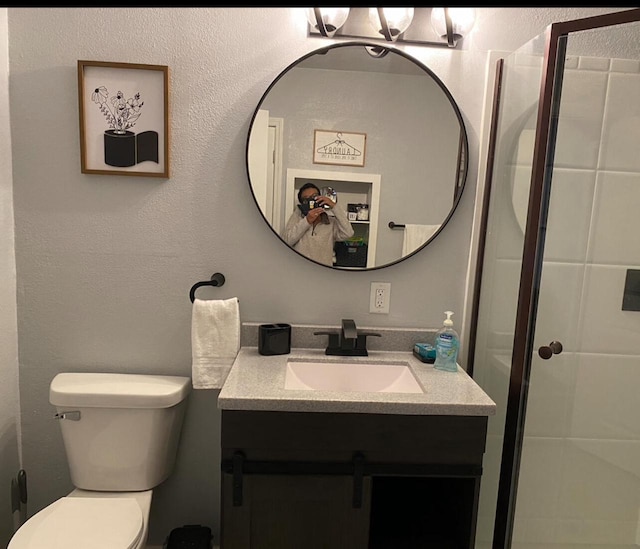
x,y
357,156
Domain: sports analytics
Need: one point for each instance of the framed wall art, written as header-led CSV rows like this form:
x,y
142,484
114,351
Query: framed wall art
x,y
339,148
124,118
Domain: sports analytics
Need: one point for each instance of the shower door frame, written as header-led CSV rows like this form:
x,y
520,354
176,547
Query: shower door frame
x,y
543,157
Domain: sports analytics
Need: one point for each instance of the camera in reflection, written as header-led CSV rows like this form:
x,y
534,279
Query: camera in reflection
x,y
311,203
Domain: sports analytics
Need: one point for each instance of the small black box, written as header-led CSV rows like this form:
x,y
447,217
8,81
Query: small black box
x,y
191,536
274,339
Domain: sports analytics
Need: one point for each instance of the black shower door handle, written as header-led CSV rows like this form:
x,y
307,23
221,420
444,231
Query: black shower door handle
x,y
546,352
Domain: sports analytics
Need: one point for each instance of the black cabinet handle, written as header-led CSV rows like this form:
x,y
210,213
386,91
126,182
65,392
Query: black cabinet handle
x,y
546,352
358,474
238,462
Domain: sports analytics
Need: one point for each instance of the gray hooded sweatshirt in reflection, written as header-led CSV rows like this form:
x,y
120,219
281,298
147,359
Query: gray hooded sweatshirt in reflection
x,y
316,242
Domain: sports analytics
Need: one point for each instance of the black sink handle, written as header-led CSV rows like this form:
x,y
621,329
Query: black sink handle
x,y
334,338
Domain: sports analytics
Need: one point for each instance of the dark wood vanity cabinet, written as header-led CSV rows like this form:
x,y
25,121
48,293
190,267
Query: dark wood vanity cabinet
x,y
307,480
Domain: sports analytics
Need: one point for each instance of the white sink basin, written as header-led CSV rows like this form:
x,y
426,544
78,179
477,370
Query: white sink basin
x,y
344,376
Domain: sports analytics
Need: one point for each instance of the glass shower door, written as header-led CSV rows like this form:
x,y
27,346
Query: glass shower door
x,y
578,483
519,82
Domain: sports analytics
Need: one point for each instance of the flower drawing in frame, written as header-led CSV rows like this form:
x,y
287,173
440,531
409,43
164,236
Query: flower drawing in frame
x,y
121,113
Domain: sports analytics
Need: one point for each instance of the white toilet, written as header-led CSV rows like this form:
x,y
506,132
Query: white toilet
x,y
120,433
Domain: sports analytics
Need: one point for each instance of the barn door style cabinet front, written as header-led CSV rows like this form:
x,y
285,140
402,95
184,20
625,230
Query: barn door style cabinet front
x,y
293,480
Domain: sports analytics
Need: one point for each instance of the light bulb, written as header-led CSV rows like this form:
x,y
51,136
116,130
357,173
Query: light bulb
x,y
462,20
398,20
333,18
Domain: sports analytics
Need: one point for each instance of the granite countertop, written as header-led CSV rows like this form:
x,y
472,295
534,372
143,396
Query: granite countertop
x,y
256,382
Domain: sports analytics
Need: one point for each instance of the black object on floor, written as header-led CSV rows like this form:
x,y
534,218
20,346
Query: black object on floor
x,y
191,536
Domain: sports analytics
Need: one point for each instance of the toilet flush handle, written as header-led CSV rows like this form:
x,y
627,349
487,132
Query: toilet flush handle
x,y
73,416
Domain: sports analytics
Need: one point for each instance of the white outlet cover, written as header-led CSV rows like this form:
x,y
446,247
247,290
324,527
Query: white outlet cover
x,y
380,297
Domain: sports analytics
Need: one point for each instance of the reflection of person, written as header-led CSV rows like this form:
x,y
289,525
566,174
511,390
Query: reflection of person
x,y
311,230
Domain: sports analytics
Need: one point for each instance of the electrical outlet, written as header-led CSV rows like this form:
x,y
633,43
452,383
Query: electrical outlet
x,y
380,297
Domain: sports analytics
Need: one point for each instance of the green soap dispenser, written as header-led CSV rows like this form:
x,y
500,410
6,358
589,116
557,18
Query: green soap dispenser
x,y
447,345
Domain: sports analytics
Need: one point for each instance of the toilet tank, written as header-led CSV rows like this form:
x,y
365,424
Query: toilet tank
x,y
120,431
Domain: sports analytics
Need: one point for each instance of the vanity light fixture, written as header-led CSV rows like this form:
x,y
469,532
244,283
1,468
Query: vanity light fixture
x,y
452,23
390,22
422,26
327,20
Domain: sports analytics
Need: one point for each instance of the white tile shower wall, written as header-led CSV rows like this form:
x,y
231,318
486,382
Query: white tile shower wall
x,y
559,305
550,402
620,131
606,407
580,126
580,476
605,327
616,223
570,213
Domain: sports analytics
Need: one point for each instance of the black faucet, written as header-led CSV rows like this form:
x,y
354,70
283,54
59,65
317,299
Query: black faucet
x,y
347,342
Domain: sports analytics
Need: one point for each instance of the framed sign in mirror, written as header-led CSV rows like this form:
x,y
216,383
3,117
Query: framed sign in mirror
x,y
339,109
339,148
124,118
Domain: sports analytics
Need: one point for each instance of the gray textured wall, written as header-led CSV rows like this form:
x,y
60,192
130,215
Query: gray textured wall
x,y
105,263
9,402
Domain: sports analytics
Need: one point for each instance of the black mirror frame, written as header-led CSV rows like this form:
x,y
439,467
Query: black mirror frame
x,y
463,150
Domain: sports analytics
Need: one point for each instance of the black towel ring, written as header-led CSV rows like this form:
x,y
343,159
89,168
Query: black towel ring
x,y
217,279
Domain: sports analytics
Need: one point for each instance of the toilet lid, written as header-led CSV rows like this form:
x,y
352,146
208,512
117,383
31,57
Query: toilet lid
x,y
87,523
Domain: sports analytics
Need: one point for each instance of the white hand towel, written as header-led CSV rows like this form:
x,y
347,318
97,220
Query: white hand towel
x,y
215,341
416,235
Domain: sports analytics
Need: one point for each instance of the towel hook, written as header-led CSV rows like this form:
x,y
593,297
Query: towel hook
x,y
217,279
